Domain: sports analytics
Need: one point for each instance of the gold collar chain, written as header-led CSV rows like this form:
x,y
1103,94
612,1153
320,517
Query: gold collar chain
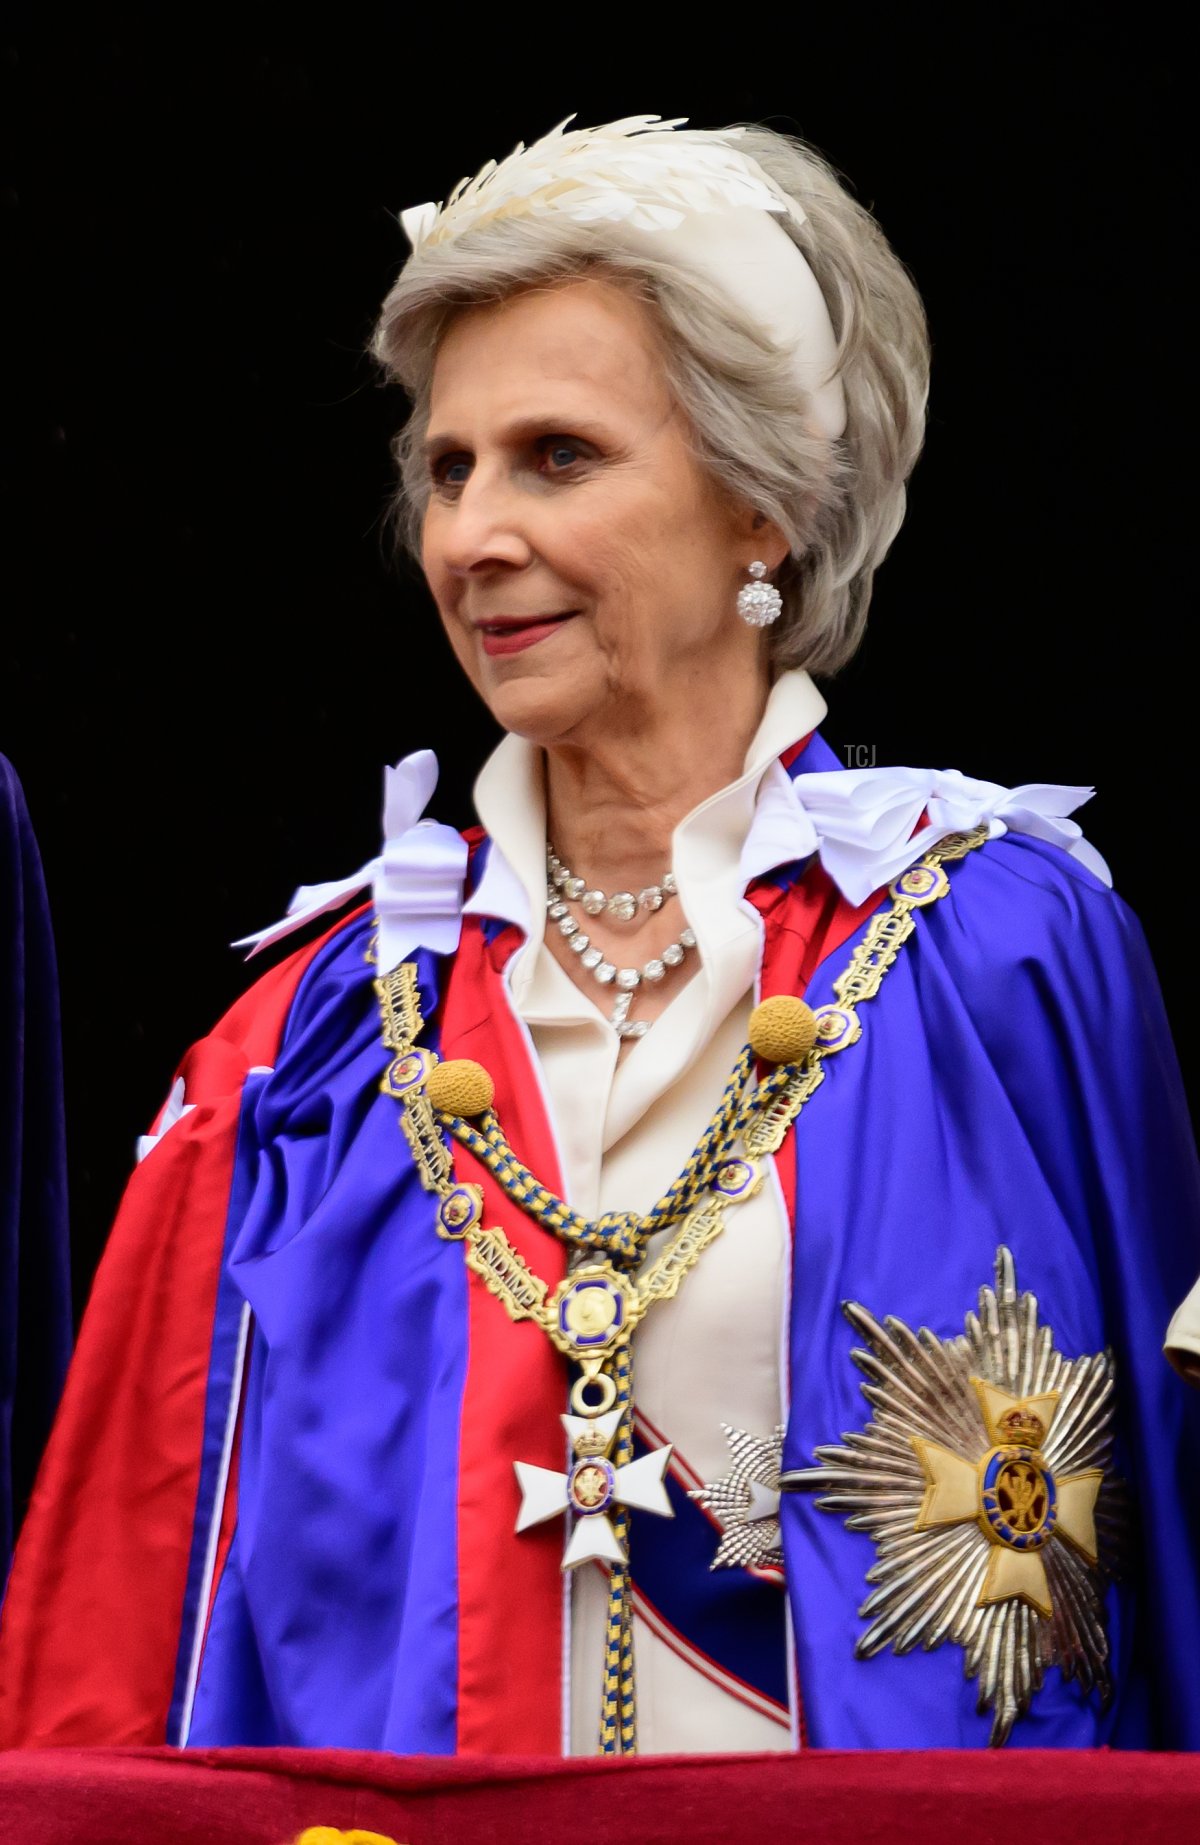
x,y
591,1315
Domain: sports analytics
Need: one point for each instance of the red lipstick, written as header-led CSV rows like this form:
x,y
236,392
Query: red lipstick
x,y
513,633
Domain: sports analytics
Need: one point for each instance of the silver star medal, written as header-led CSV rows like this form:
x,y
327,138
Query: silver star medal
x,y
745,1503
983,1477
591,1488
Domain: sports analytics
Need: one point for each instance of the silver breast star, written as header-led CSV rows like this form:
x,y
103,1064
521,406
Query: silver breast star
x,y
985,1477
745,1502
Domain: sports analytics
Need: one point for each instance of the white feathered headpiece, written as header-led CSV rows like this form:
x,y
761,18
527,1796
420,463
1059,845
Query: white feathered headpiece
x,y
630,172
693,198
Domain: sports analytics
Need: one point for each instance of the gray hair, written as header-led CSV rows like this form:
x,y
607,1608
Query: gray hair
x,y
838,507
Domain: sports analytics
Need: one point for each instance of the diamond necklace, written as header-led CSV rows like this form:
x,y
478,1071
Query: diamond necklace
x,y
562,887
623,905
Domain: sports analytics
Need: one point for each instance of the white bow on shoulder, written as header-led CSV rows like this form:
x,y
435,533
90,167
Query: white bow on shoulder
x,y
860,821
417,880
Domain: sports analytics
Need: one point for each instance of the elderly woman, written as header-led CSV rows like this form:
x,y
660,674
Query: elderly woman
x,y
684,1266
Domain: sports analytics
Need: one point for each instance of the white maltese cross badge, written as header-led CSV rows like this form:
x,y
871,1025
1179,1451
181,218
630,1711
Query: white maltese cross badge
x,y
591,1488
984,1477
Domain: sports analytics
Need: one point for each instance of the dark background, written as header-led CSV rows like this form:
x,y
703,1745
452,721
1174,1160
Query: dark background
x,y
209,656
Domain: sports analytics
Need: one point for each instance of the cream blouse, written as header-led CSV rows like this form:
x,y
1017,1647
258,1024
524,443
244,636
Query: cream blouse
x,y
712,1355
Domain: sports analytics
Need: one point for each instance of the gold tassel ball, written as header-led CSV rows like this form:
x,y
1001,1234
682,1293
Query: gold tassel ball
x,y
460,1087
782,1030
332,1835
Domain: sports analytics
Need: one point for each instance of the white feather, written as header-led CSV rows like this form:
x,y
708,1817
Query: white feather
x,y
639,171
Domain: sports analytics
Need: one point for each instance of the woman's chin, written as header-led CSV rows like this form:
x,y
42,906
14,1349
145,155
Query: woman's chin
x,y
540,706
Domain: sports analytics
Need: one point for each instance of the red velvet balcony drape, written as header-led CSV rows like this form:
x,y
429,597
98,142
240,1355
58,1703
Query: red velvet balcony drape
x,y
268,1796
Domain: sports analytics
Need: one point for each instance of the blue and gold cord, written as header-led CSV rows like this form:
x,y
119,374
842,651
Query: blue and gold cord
x,y
622,1236
618,1710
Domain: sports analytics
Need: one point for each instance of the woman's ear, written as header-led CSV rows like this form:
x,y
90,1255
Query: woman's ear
x,y
768,541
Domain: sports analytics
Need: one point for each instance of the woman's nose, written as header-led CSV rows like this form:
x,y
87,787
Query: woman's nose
x,y
484,527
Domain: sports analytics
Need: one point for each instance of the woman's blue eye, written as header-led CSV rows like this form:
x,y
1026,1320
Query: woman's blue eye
x,y
447,473
563,454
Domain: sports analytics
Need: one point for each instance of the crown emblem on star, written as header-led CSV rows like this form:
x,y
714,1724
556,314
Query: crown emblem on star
x,y
1020,1428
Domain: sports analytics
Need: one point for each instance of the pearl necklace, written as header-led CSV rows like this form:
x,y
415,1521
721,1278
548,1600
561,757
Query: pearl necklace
x,y
563,886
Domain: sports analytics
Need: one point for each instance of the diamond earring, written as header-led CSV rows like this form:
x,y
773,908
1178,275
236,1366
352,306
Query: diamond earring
x,y
759,603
